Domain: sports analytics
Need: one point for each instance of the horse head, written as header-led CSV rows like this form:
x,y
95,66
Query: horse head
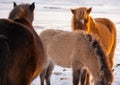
x,y
105,77
81,17
23,13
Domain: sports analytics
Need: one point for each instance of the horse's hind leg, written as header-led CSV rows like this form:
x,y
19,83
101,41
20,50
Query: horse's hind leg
x,y
85,77
42,76
49,72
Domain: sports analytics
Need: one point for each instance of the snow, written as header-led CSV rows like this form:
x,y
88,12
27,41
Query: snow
x,y
56,14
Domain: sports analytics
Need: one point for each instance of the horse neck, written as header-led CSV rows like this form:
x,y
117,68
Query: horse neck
x,y
30,26
27,23
100,67
104,73
91,25
101,73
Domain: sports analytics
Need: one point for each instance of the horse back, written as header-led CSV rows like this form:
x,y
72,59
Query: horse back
x,y
108,23
106,30
15,32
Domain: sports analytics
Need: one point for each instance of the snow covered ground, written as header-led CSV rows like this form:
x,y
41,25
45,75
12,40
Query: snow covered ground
x,y
56,14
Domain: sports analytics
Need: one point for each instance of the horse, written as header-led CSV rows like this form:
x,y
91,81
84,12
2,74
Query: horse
x,y
22,55
78,50
101,27
23,16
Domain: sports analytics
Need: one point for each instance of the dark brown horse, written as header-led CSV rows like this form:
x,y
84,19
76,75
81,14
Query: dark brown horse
x,y
24,15
22,55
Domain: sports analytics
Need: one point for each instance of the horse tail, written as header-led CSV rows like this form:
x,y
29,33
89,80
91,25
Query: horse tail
x,y
4,59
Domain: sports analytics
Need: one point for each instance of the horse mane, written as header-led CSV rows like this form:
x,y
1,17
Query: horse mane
x,y
105,70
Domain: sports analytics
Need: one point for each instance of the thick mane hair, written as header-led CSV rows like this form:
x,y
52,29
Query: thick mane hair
x,y
105,66
96,45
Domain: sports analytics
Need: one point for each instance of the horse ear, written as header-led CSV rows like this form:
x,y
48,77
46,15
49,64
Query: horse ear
x,y
89,10
32,6
14,4
73,11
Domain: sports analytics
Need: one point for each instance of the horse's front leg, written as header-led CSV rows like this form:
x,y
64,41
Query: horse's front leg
x,y
42,76
85,77
42,79
49,72
76,76
76,68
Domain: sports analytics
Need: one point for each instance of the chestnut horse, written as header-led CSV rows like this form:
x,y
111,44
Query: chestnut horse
x,y
101,27
22,55
79,50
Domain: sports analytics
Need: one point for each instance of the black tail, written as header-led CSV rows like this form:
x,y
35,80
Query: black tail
x,y
4,59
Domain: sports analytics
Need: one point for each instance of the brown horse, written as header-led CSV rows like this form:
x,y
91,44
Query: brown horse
x,y
24,15
77,49
22,55
101,27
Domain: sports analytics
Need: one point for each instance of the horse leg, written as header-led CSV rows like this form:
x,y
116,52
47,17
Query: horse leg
x,y
76,69
85,77
42,76
49,72
88,78
76,77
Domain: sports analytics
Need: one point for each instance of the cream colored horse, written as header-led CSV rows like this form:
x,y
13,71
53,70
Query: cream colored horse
x,y
77,50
